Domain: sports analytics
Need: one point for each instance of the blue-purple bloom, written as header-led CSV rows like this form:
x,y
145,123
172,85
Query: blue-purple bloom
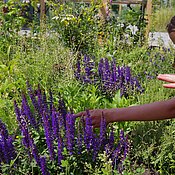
x,y
109,77
44,166
7,151
60,132
48,135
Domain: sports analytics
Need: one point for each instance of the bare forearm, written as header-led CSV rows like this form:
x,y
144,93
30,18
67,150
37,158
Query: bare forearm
x,y
147,112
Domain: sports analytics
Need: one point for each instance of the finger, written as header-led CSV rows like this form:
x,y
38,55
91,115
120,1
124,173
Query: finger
x,y
167,77
80,114
95,123
170,85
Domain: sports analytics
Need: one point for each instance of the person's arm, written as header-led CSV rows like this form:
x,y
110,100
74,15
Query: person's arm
x,y
148,112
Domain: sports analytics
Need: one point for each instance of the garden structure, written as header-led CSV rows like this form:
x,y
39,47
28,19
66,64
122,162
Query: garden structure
x,y
146,8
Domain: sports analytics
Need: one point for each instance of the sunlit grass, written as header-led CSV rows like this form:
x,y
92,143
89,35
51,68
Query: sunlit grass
x,y
161,17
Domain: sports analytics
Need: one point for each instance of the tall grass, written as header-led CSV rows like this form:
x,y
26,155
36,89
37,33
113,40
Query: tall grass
x,y
161,17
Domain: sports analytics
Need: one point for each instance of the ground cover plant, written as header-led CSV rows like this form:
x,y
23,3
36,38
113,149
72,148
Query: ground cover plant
x,y
70,65
78,147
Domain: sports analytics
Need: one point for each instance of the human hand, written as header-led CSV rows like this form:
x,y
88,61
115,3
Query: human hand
x,y
168,78
96,115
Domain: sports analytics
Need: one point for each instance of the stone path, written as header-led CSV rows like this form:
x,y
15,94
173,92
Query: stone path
x,y
160,39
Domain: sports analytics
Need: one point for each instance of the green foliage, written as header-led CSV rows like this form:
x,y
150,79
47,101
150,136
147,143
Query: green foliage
x,y
78,25
43,59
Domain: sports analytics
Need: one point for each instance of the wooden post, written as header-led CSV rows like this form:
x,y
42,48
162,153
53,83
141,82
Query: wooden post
x,y
103,9
120,9
42,11
148,17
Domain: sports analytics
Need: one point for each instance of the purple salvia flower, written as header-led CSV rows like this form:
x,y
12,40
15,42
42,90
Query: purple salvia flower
x,y
23,126
60,149
70,129
100,68
61,124
32,97
136,84
11,149
102,131
62,108
119,71
96,147
27,112
48,135
44,103
1,151
17,111
55,127
3,129
78,70
114,71
126,148
4,147
34,150
79,136
107,72
44,166
79,142
116,156
7,151
111,138
122,136
87,67
88,132
108,150
128,74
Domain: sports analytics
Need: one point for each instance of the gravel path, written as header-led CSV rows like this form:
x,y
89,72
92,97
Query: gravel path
x,y
160,39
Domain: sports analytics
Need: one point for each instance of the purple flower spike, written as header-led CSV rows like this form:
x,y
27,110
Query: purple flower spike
x,y
70,129
100,68
7,151
60,149
48,135
34,150
27,112
128,74
79,137
44,166
111,138
78,70
103,131
107,72
32,97
114,71
23,125
88,132
55,127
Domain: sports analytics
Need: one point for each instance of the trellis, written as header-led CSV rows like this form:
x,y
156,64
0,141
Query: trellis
x,y
146,6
